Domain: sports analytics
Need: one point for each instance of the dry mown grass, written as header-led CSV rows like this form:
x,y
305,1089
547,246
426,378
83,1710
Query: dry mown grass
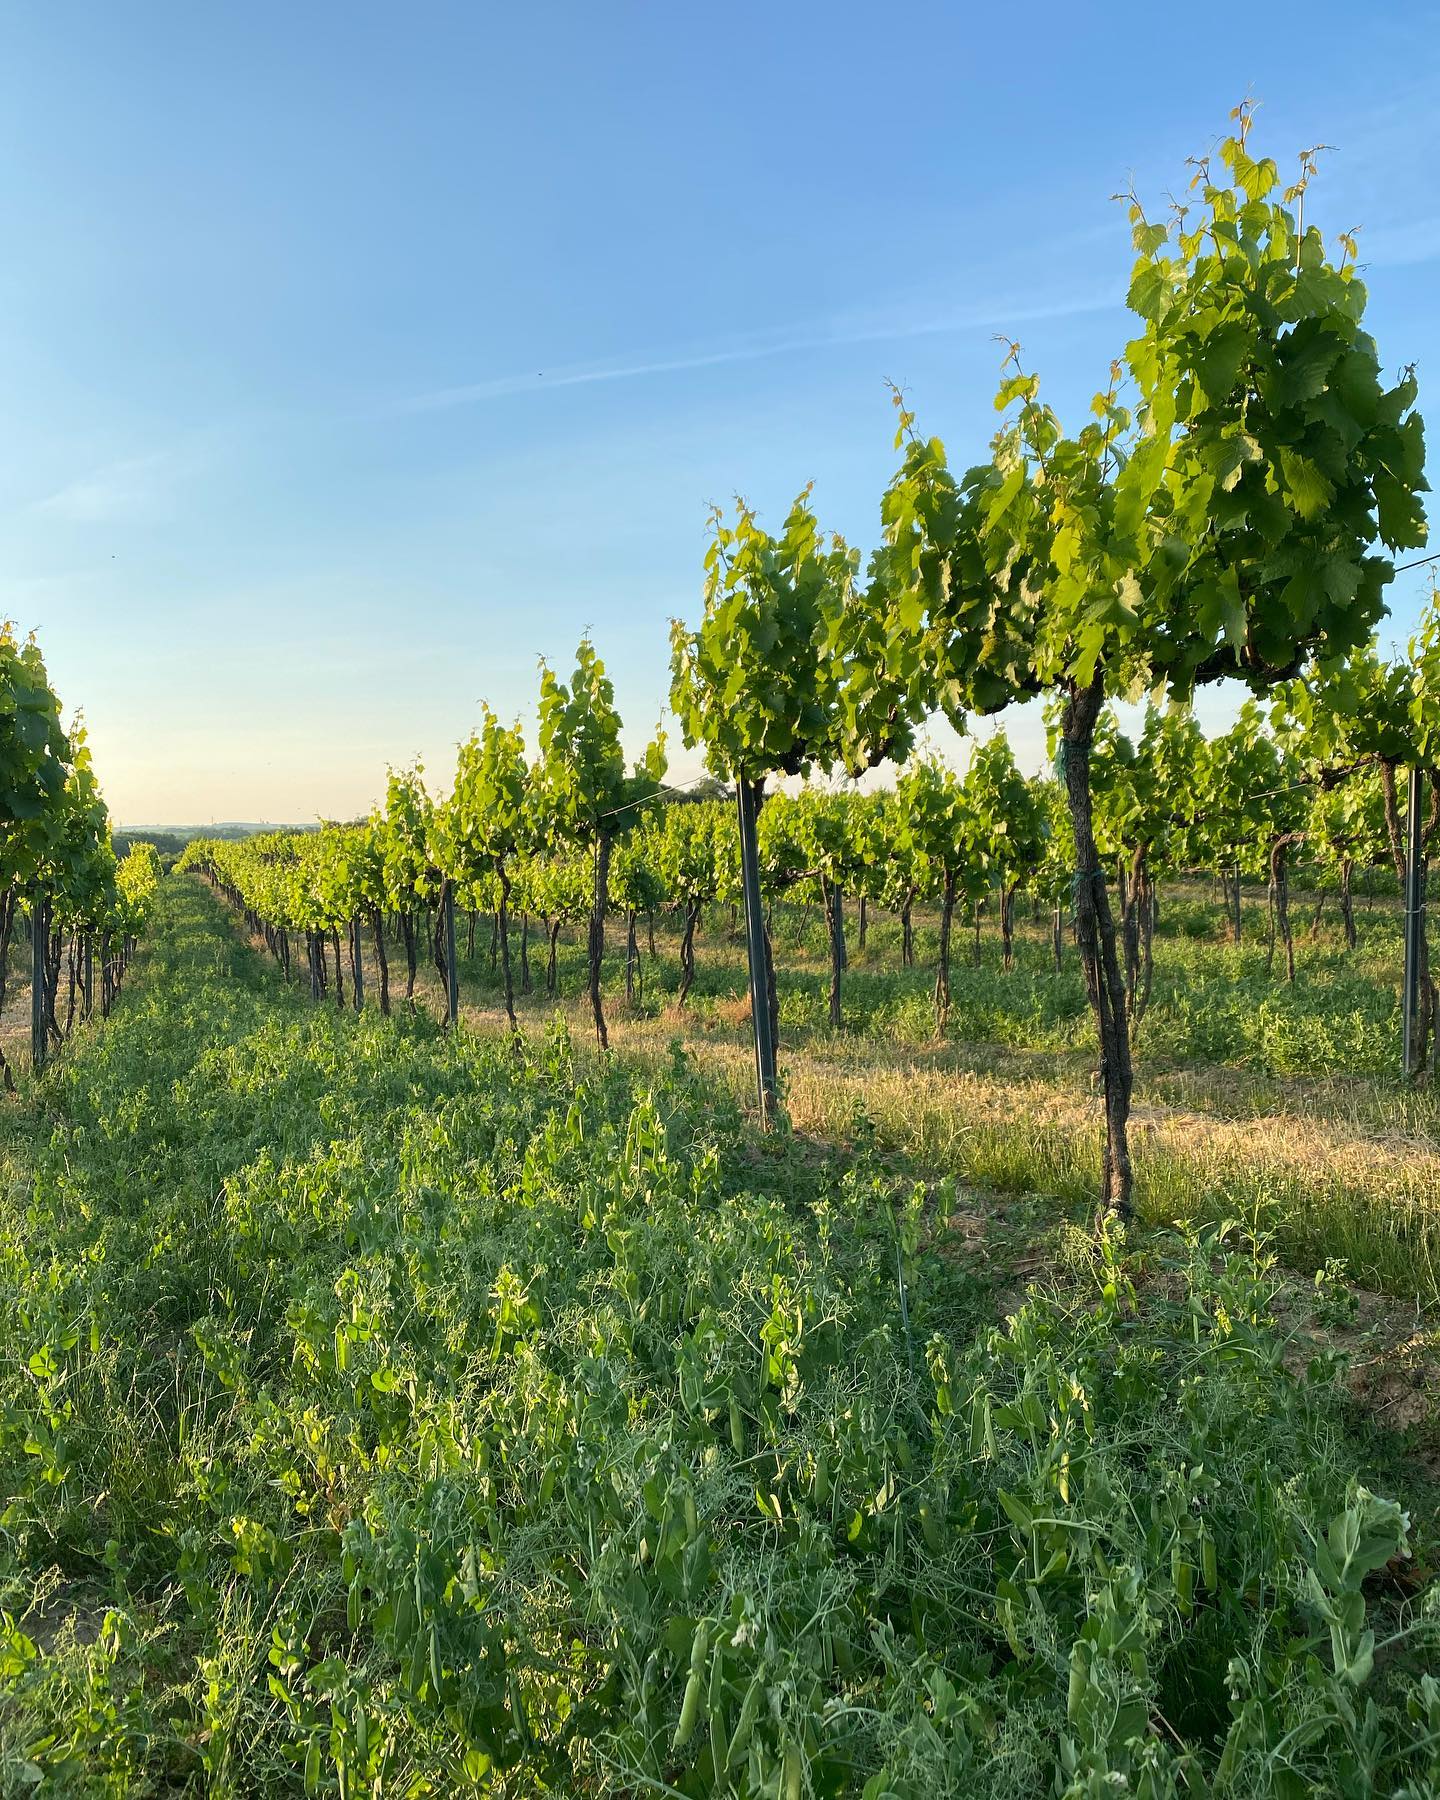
x,y
1330,1167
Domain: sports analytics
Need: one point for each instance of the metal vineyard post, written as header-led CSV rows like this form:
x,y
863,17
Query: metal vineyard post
x,y
756,950
1414,1050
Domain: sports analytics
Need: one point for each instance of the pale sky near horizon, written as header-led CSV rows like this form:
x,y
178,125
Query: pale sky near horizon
x,y
354,356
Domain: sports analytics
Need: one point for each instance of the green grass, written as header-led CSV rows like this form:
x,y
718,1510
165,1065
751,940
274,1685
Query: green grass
x,y
1213,1004
1255,1099
387,1412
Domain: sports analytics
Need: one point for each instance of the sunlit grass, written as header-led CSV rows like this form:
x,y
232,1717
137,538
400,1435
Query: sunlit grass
x,y
1255,1100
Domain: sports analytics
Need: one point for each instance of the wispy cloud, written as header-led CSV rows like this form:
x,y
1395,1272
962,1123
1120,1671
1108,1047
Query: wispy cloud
x,y
1400,245
1374,176
835,334
135,489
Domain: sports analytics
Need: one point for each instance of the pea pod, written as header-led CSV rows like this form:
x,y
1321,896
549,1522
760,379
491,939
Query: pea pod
x,y
745,1724
418,1655
719,1745
1079,1677
405,1619
1182,1573
647,1681
689,1712
694,1688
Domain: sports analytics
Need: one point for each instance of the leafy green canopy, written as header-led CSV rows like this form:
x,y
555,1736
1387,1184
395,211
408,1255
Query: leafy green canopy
x,y
1147,792
79,868
1250,791
489,818
795,665
34,755
695,851
1370,709
1218,515
937,833
1007,816
582,779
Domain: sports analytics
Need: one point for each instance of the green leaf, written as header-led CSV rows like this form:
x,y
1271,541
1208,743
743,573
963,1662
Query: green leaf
x,y
1309,490
1217,367
1148,288
1307,356
1400,516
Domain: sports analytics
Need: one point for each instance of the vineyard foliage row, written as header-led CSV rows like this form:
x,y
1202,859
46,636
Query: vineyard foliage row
x,y
1167,800
1231,511
56,857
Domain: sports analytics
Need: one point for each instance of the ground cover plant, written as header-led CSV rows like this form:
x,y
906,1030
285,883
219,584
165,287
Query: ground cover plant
x,y
390,1412
1256,1096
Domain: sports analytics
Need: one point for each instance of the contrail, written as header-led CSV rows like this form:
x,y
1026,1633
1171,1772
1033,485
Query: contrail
x,y
586,374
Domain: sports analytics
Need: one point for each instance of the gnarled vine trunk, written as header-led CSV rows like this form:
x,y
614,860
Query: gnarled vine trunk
x,y
942,967
502,922
7,926
54,953
1347,900
437,936
632,957
1137,916
687,952
1095,940
1230,896
1280,904
597,934
382,961
73,971
407,931
835,929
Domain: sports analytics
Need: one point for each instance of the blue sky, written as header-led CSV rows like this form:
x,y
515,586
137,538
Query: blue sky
x,y
354,356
